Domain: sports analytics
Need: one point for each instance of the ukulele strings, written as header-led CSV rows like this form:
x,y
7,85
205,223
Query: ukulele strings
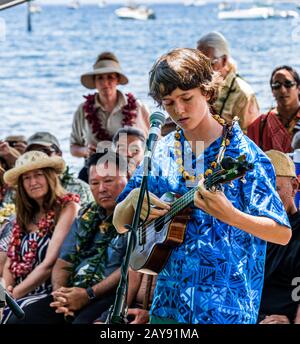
x,y
177,206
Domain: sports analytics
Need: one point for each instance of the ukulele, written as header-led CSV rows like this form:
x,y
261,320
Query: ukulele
x,y
156,239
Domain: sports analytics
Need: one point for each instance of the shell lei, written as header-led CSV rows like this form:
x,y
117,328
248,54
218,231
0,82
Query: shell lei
x,y
225,142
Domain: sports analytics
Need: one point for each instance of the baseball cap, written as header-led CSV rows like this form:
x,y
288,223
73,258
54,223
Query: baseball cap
x,y
43,138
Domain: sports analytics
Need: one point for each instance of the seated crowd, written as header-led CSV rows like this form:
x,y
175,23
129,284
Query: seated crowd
x,y
60,254
67,273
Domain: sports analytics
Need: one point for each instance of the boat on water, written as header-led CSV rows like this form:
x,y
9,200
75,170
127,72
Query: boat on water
x,y
256,13
224,6
135,12
74,5
194,2
34,7
101,3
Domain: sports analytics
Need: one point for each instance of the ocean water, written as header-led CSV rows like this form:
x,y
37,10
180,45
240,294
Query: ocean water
x,y
40,71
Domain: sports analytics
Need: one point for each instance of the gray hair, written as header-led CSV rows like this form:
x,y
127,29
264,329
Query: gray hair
x,y
216,41
129,131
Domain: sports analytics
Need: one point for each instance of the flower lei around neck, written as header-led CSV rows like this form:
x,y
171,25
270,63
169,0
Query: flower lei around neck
x,y
22,265
94,252
227,132
129,115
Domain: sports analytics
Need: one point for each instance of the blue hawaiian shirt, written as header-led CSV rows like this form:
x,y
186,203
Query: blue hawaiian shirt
x,y
216,275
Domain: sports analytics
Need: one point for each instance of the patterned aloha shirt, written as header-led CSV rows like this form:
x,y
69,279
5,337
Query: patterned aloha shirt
x,y
216,275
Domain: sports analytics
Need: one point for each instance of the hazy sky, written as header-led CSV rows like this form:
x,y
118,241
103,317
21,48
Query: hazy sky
x,y
108,1
114,1
141,1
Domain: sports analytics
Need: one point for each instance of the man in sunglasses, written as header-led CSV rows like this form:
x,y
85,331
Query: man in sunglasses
x,y
236,97
277,128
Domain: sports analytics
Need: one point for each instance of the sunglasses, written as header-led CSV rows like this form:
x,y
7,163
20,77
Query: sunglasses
x,y
46,150
14,143
287,84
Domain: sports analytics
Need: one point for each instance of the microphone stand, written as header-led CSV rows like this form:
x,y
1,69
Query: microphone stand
x,y
6,299
117,313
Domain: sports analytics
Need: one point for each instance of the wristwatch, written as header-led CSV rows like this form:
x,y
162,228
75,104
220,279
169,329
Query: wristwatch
x,y
91,293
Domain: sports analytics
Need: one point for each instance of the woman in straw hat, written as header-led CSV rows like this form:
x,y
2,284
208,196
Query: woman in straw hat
x,y
44,214
107,110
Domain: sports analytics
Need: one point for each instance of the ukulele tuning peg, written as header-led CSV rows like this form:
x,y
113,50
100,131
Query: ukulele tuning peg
x,y
213,189
243,180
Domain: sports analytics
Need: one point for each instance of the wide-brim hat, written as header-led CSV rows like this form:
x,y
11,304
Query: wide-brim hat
x,y
283,164
30,161
103,67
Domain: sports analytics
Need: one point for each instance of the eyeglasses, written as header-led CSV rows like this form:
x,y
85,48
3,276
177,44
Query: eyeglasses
x,y
287,84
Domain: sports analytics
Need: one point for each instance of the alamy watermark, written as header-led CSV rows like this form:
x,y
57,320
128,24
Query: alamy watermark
x,y
164,163
296,291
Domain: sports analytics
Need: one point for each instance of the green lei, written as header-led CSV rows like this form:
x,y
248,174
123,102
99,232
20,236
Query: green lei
x,y
94,252
65,178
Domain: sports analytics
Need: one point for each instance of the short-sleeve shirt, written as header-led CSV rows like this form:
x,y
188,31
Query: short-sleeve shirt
x,y
216,275
237,98
82,134
115,250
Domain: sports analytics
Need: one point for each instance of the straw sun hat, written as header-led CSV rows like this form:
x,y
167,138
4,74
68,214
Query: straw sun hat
x,y
283,164
33,160
105,63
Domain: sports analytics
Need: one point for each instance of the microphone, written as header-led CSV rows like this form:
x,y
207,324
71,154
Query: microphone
x,y
12,304
157,120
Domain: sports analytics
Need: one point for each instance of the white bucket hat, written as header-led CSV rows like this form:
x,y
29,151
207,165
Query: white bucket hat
x,y
30,161
103,66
